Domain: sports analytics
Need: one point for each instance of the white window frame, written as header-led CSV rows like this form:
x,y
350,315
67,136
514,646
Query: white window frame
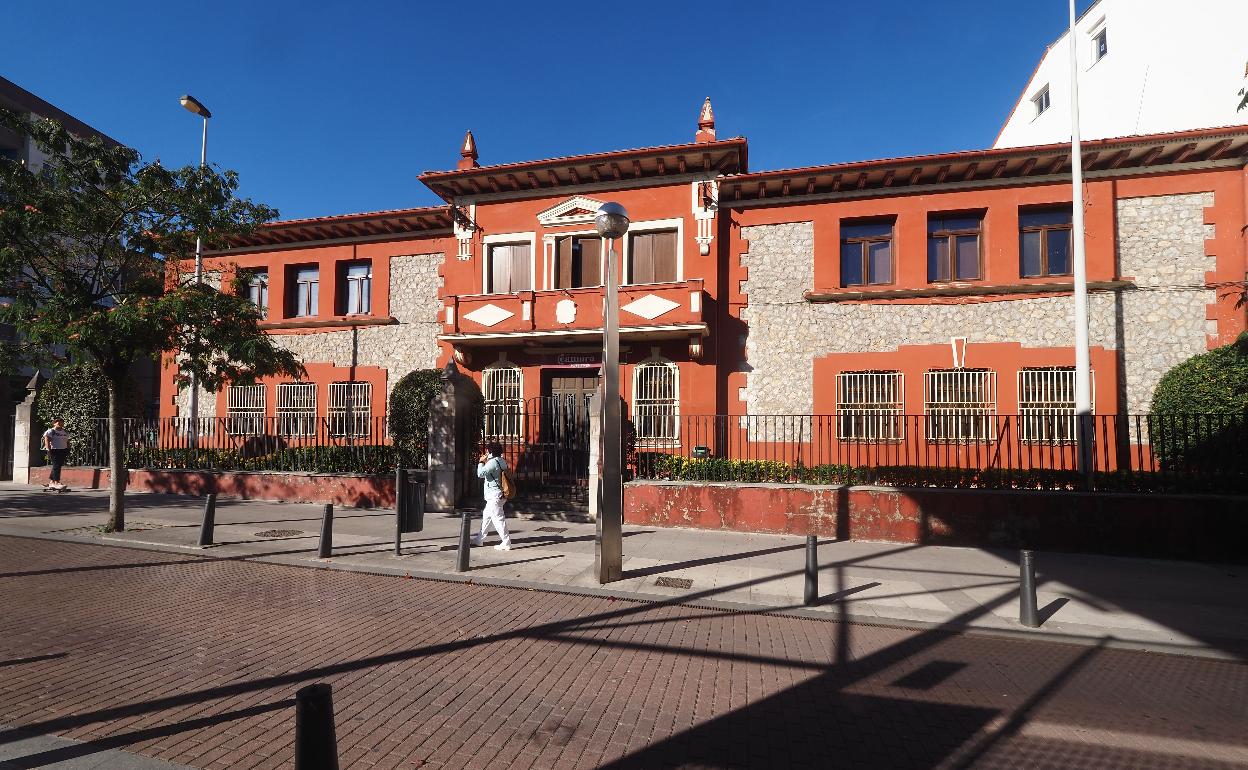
x,y
364,289
876,419
959,421
677,224
1043,100
550,251
1049,419
294,417
346,418
258,290
314,306
507,239
245,409
646,405
502,417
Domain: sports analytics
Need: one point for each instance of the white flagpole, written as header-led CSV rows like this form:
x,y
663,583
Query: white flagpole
x,y
1083,360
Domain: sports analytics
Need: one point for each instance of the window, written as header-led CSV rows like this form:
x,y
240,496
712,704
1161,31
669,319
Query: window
x,y
959,404
652,257
306,296
504,401
869,406
258,291
656,396
866,253
296,409
359,288
1044,243
1041,100
244,405
349,408
578,262
953,247
508,270
1100,45
1046,404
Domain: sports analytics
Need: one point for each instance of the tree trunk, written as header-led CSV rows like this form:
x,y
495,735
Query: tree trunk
x,y
116,461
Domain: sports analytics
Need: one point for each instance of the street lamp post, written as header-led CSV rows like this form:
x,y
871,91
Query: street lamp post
x,y
194,105
1084,429
611,223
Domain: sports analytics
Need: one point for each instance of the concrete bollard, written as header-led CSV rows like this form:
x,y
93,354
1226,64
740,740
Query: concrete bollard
x,y
316,744
810,593
465,544
210,519
327,532
1027,614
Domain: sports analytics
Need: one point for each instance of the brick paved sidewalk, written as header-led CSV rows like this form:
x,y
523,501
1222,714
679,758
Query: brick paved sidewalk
x,y
196,661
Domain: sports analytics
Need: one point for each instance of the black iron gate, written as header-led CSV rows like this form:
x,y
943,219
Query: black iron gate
x,y
546,443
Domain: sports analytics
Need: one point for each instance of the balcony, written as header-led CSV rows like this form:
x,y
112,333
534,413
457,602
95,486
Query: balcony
x,y
650,311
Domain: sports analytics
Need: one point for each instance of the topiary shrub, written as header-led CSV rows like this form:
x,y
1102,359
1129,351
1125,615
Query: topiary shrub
x,y
78,394
409,415
1199,420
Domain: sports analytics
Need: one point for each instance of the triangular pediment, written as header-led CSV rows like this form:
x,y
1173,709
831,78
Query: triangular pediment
x,y
574,211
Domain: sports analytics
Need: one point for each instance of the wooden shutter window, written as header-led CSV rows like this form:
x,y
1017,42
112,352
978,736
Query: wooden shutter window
x,y
563,264
520,268
578,262
652,257
509,269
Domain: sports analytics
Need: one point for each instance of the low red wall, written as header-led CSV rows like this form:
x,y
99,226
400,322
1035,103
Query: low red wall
x,y
1205,527
355,491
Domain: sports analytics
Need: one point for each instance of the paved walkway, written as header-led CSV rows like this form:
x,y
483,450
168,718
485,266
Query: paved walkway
x,y
1199,609
196,661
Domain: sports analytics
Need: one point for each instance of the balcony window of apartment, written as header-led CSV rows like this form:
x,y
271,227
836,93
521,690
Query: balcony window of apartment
x,y
866,253
656,399
1044,243
651,257
1046,404
953,252
1041,100
258,291
244,406
869,406
960,405
306,295
578,262
296,409
503,389
1100,45
358,288
349,408
508,268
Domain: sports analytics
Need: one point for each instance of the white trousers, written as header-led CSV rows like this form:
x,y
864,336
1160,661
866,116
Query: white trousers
x,y
494,514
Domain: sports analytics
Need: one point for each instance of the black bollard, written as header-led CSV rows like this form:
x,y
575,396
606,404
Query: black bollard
x,y
1027,614
316,745
327,532
400,500
810,594
465,536
210,519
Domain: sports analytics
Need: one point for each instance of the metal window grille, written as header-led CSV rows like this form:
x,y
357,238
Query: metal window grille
x,y
504,405
244,406
869,406
349,408
959,404
656,399
1046,404
296,409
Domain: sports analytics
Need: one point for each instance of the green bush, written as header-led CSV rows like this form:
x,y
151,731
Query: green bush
x,y
1199,419
368,460
409,414
78,394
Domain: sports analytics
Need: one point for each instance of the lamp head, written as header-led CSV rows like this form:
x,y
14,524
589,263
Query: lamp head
x,y
611,221
194,105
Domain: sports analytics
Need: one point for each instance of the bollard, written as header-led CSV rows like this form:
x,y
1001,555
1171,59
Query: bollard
x,y
210,519
400,495
810,594
316,745
465,535
327,532
1027,614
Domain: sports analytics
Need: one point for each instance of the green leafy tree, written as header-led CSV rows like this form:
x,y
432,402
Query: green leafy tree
x,y
78,394
91,253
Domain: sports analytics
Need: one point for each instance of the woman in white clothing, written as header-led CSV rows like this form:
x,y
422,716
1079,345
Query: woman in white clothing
x,y
490,470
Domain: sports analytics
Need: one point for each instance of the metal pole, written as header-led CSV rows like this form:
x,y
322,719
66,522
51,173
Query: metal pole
x,y
210,519
327,532
199,279
609,556
1083,360
810,593
1027,614
316,744
465,536
400,493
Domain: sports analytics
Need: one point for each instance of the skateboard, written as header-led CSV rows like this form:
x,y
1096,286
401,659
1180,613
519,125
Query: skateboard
x,y
50,488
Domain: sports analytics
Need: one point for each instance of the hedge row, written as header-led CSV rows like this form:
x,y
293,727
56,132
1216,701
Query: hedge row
x,y
368,460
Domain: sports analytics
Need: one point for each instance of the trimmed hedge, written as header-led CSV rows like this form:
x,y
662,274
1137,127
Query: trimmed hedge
x,y
367,460
1199,419
409,414
78,394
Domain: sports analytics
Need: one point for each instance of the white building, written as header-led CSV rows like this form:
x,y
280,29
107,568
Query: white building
x,y
1146,66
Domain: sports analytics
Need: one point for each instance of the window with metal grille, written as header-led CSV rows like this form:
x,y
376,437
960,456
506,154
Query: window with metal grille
x,y
656,402
349,408
244,405
504,401
296,409
359,289
960,404
1046,404
869,406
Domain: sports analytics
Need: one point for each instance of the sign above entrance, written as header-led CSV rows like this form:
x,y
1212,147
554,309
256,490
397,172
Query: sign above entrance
x,y
578,359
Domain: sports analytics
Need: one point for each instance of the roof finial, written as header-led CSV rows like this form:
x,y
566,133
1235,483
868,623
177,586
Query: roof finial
x,y
468,153
706,123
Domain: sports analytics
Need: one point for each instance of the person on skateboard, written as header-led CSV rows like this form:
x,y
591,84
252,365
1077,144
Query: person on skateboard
x,y
56,444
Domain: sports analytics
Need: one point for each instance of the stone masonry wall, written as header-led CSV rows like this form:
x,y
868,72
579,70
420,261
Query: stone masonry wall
x,y
1162,248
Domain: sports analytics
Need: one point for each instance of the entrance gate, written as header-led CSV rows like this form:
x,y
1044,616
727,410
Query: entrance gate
x,y
546,443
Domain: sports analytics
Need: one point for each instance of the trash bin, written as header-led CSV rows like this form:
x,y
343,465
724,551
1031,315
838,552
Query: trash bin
x,y
409,503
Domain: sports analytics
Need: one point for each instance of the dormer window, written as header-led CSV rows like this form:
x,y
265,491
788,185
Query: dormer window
x,y
1041,100
1100,45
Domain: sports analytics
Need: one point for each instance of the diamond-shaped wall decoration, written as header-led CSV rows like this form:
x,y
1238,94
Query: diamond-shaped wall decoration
x,y
489,315
650,306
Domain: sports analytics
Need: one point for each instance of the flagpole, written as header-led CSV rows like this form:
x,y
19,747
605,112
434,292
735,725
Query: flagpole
x,y
1083,361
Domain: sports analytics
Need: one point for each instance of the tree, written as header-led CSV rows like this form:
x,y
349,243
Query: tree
x,y
92,249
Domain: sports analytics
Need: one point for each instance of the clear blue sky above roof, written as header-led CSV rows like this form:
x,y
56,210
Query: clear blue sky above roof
x,y
333,108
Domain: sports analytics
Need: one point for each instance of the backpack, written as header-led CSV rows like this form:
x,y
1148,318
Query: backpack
x,y
507,483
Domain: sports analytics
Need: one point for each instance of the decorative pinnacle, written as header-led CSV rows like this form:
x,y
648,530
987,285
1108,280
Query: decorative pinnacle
x,y
706,119
468,153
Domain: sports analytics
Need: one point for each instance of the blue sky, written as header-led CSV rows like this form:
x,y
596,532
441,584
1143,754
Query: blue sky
x,y
329,108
